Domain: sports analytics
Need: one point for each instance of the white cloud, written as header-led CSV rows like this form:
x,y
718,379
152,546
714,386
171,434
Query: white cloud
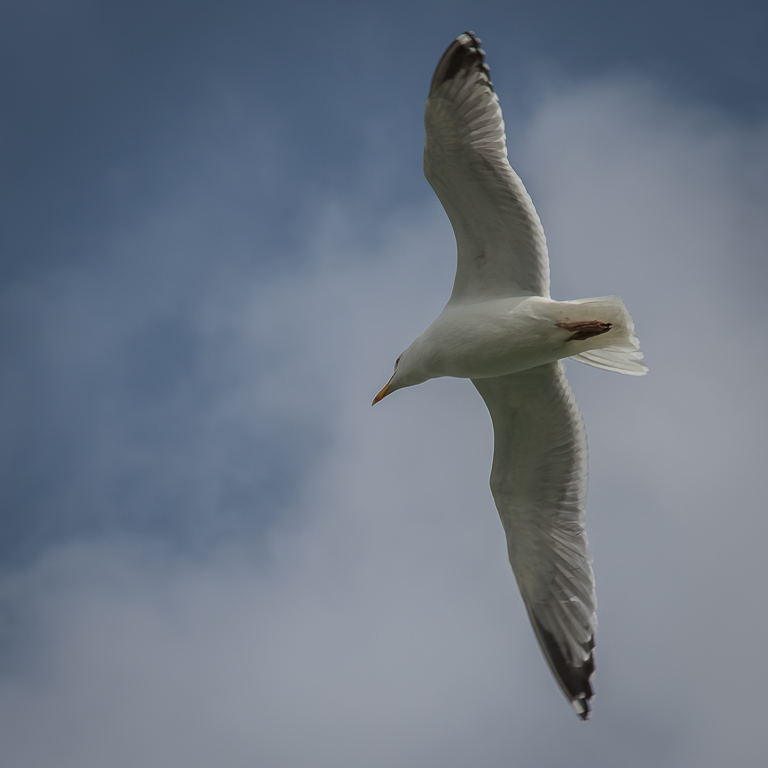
x,y
379,623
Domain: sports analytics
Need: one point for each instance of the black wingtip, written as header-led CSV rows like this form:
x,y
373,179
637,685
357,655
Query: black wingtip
x,y
583,707
463,54
574,681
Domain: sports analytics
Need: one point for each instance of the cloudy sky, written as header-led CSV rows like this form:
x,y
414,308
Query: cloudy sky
x,y
216,238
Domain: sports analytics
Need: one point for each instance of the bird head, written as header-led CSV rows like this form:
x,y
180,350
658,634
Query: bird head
x,y
410,370
391,385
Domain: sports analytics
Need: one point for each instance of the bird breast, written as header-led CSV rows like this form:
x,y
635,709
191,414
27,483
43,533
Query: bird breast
x,y
493,338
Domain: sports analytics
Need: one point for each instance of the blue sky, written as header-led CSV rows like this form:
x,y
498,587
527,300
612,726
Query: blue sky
x,y
216,239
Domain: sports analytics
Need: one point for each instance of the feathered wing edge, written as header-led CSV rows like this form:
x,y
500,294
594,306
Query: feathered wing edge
x,y
465,52
501,245
539,483
575,682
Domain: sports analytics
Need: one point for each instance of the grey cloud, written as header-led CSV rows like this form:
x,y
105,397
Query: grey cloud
x,y
372,618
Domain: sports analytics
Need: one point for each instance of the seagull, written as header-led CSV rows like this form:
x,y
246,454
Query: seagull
x,y
501,330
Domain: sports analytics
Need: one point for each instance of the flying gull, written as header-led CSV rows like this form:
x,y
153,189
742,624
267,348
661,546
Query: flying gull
x,y
501,330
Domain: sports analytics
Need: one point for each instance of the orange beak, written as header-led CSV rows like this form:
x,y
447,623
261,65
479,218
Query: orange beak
x,y
384,392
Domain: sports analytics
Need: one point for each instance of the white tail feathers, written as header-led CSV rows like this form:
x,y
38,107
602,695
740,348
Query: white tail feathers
x,y
616,359
622,351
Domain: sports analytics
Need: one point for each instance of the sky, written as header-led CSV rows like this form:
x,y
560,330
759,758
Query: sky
x,y
215,240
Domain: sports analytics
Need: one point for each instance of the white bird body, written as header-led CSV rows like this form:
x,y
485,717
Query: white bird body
x,y
502,330
481,339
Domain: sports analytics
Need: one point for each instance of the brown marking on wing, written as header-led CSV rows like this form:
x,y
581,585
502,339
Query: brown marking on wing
x,y
585,329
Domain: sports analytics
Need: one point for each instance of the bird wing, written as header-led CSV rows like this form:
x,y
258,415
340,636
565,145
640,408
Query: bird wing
x,y
501,247
539,484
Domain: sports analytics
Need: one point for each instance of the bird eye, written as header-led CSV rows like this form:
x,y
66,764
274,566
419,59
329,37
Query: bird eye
x,y
397,362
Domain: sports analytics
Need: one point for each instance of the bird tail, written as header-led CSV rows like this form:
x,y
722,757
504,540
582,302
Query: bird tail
x,y
622,351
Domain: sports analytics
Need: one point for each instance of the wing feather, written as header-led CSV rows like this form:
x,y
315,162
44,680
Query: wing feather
x,y
539,484
501,246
